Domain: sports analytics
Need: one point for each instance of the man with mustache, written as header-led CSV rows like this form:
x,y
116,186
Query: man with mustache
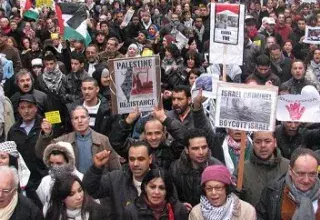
x,y
25,82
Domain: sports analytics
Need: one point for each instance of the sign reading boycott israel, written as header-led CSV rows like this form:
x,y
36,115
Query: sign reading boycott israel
x,y
246,107
135,83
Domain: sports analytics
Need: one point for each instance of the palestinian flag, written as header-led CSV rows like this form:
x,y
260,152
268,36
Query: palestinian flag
x,y
72,21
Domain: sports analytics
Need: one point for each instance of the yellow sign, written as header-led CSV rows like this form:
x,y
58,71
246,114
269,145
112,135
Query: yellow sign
x,y
43,3
53,117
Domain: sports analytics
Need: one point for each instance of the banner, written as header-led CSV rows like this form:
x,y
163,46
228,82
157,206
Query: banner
x,y
312,35
135,83
44,3
300,108
227,34
246,107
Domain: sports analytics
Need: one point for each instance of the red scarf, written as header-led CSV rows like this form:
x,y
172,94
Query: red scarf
x,y
170,211
157,210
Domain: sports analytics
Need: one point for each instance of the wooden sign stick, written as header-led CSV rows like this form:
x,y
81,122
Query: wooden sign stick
x,y
241,160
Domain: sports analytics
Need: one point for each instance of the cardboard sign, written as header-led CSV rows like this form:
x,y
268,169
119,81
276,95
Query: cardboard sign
x,y
227,33
246,107
135,83
53,117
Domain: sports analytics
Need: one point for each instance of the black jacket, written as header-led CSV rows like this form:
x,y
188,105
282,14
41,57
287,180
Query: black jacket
x,y
285,73
26,210
187,179
304,137
118,185
269,206
139,210
295,86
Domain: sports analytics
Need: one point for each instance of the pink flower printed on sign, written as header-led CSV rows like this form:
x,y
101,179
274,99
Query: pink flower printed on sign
x,y
295,110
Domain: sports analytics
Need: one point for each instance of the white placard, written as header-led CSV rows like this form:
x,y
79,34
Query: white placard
x,y
246,107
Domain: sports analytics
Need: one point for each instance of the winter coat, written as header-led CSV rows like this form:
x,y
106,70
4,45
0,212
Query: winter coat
x,y
258,173
139,210
118,185
26,210
26,147
244,212
187,179
99,143
269,205
295,86
305,137
311,76
44,189
285,66
73,85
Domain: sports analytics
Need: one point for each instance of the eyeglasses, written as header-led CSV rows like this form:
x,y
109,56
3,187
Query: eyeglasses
x,y
302,175
6,191
216,188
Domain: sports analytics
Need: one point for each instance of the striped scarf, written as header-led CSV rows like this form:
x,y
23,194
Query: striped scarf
x,y
224,212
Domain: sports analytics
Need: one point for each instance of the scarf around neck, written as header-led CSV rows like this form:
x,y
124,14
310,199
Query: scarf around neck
x,y
76,214
224,212
53,79
304,210
6,212
316,69
277,63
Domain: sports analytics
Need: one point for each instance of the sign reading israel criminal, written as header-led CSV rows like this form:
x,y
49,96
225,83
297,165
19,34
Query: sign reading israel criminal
x,y
135,83
246,107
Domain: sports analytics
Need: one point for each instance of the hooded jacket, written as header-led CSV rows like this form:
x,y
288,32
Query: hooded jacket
x,y
44,189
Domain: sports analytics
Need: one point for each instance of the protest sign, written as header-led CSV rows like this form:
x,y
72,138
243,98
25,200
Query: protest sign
x,y
308,1
135,83
312,35
53,117
227,34
208,84
246,107
127,17
300,108
44,3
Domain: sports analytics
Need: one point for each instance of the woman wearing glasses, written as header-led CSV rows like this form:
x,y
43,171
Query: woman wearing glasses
x,y
218,202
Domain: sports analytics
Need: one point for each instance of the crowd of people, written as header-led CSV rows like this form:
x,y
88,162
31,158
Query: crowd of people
x,y
172,163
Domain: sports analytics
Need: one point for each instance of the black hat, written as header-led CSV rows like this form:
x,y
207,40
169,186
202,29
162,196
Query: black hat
x,y
28,98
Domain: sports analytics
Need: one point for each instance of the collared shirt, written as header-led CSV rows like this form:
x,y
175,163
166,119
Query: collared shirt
x,y
91,68
27,126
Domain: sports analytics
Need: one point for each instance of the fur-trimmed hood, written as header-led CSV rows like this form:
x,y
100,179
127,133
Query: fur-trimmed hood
x,y
64,147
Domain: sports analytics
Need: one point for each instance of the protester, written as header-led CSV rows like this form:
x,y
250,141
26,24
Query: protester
x,y
265,164
295,194
156,200
122,186
70,201
58,158
218,200
82,137
14,206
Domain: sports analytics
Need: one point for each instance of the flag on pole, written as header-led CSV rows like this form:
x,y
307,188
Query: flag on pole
x,y
72,20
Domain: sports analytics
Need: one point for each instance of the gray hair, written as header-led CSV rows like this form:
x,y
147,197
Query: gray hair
x,y
21,73
13,172
79,107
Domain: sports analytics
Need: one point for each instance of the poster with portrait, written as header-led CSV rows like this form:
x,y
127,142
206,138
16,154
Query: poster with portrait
x,y
135,83
312,35
227,34
246,107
